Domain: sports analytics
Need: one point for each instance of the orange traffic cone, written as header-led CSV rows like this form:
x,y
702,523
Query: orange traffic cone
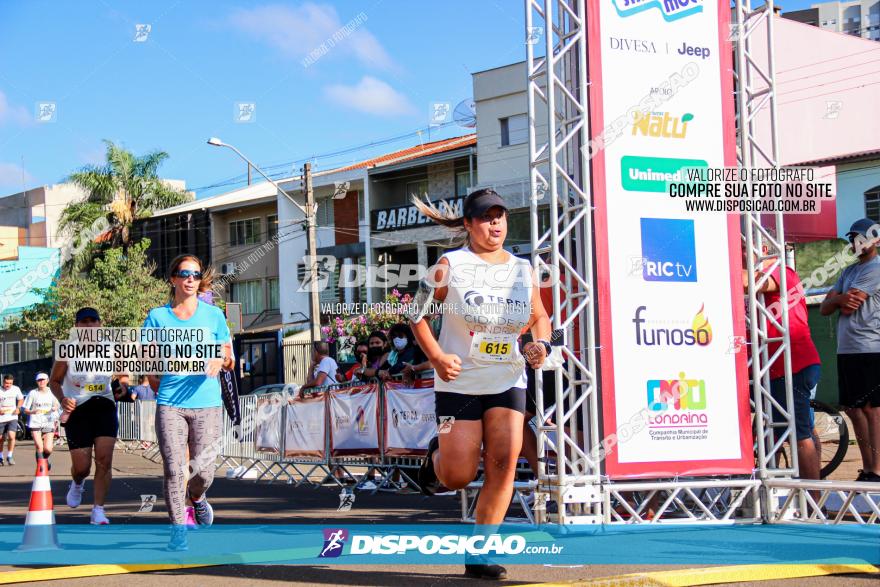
x,y
39,527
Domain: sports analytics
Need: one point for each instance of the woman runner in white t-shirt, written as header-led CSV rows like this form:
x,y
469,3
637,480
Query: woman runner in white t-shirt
x,y
489,299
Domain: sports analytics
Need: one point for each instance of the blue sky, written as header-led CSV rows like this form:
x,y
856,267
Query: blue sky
x,y
181,85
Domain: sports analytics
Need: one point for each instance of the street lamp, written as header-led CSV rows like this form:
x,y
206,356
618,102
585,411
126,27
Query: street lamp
x,y
310,213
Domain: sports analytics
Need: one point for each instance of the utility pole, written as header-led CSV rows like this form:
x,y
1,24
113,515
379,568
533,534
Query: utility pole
x,y
311,223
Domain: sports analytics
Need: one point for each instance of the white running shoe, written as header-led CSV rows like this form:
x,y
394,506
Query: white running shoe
x,y
75,494
99,518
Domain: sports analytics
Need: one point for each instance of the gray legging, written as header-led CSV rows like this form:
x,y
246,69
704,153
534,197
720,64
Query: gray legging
x,y
200,429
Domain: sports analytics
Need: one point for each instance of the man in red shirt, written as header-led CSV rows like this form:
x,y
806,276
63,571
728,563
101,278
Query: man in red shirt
x,y
805,363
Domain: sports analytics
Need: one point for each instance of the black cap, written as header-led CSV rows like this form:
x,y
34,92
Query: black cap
x,y
861,226
479,201
84,313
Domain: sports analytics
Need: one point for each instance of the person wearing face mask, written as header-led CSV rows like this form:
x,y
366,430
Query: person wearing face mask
x,y
404,354
377,353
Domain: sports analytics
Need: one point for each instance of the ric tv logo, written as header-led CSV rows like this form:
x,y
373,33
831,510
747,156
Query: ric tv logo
x,y
681,400
670,9
668,250
699,333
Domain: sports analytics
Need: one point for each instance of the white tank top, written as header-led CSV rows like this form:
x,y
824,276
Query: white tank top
x,y
486,307
83,387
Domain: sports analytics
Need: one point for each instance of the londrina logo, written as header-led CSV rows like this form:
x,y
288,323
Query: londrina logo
x,y
653,174
334,541
661,125
700,333
671,9
687,396
668,250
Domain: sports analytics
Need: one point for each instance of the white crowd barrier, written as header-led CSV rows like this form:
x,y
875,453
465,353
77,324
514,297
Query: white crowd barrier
x,y
382,428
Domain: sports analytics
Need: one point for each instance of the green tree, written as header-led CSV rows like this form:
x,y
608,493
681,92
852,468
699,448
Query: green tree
x,y
125,188
119,285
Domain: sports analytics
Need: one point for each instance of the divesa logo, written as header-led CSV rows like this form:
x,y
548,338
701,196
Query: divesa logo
x,y
670,9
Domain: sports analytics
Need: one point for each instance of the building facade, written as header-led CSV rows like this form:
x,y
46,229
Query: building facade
x,y
860,18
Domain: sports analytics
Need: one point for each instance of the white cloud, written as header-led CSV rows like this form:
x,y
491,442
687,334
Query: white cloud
x,y
372,96
297,31
11,176
13,114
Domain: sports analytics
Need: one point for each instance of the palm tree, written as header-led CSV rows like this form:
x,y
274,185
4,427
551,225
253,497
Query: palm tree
x,y
123,190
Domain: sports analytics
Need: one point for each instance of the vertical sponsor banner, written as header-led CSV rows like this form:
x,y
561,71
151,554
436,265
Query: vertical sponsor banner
x,y
354,421
306,425
410,418
669,288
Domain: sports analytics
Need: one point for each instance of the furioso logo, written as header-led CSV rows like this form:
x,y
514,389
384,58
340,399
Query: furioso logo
x,y
334,541
699,334
670,9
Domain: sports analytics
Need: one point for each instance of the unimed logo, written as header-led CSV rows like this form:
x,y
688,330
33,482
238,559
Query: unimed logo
x,y
334,541
654,174
671,9
668,250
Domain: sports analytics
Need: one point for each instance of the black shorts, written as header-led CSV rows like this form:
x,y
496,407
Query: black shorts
x,y
462,406
91,419
858,379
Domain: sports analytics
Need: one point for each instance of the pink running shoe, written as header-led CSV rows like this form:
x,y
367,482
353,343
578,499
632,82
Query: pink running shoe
x,y
190,517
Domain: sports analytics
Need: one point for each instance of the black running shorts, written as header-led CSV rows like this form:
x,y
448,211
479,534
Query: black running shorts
x,y
91,419
462,406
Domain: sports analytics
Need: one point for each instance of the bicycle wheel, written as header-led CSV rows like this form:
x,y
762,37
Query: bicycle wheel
x,y
833,435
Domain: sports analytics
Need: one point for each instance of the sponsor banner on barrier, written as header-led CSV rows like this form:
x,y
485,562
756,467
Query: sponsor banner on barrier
x,y
304,435
267,431
354,421
675,400
433,544
410,418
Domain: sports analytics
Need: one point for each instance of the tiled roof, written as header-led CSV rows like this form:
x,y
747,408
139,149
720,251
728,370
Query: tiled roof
x,y
415,152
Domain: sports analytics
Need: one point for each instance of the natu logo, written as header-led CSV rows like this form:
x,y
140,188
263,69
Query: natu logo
x,y
661,125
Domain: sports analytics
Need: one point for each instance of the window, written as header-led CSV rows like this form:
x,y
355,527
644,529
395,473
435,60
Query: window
x,y
418,189
274,294
31,350
463,182
872,203
519,226
249,294
13,352
244,232
331,280
514,130
324,215
271,226
329,294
